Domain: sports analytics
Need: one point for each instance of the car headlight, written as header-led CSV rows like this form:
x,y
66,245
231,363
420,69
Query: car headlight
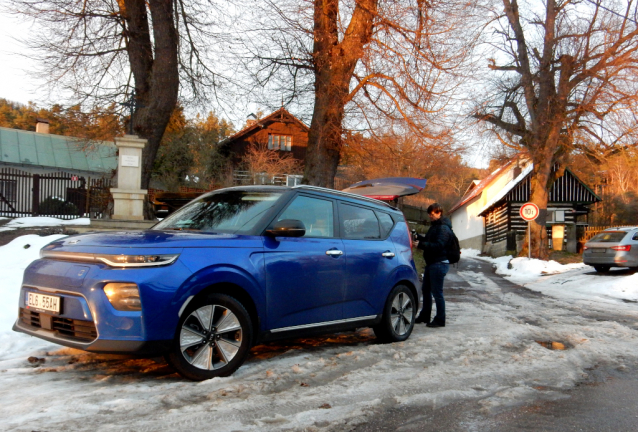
x,y
123,296
136,260
112,260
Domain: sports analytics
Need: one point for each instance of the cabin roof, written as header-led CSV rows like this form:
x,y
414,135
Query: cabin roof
x,y
475,191
282,114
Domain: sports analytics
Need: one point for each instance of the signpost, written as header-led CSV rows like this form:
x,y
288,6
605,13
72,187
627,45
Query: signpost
x,y
529,212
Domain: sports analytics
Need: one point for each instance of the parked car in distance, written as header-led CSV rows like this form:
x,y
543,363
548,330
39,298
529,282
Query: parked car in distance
x,y
614,247
233,268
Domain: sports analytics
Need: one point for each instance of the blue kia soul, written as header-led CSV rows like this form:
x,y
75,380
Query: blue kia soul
x,y
233,268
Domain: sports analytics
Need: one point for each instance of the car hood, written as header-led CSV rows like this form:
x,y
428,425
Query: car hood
x,y
156,239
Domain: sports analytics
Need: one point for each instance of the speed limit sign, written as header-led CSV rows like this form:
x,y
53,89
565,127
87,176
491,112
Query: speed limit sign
x,y
529,211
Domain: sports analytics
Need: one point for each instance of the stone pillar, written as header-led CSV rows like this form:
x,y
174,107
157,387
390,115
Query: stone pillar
x,y
128,198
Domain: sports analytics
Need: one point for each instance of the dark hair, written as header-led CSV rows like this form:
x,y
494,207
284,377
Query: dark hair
x,y
435,208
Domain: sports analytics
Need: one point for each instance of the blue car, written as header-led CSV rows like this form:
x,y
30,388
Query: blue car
x,y
233,268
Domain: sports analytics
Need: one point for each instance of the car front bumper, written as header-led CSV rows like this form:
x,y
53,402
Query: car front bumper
x,y
143,348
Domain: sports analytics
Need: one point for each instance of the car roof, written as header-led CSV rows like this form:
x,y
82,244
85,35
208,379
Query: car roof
x,y
267,188
623,228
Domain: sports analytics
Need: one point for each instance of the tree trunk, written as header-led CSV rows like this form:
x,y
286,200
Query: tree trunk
x,y
156,78
324,139
334,64
539,195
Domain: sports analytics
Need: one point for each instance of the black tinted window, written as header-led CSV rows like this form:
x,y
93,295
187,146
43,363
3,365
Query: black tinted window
x,y
609,237
635,237
358,223
233,212
316,215
386,223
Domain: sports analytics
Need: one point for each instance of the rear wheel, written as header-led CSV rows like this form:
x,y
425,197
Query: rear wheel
x,y
212,338
602,268
398,316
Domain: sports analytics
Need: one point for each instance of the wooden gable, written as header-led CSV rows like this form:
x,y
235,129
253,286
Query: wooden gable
x,y
566,189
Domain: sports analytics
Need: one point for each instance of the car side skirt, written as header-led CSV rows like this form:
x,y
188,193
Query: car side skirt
x,y
319,328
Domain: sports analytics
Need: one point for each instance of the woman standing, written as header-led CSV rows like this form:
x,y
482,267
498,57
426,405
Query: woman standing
x,y
434,246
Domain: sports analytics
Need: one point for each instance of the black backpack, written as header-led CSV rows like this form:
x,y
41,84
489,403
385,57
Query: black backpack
x,y
453,250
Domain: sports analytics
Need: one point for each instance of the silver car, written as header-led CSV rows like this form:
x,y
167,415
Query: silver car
x,y
614,247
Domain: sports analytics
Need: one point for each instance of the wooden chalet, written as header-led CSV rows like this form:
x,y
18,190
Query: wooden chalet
x,y
280,131
497,201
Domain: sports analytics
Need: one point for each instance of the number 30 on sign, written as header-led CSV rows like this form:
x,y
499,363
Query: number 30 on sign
x,y
529,211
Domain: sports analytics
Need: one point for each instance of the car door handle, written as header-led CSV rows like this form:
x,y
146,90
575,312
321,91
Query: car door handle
x,y
388,254
334,252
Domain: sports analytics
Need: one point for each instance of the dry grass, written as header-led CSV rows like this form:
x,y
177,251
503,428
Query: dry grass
x,y
564,257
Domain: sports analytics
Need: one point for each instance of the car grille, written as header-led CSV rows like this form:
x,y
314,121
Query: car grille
x,y
64,327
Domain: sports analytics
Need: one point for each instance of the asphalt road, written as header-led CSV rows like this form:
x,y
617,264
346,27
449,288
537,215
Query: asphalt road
x,y
606,400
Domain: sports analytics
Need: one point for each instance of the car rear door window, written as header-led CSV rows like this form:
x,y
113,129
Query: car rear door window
x,y
386,223
316,214
358,223
635,237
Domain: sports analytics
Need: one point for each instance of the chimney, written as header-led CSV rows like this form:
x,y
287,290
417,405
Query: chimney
x,y
42,126
517,169
251,121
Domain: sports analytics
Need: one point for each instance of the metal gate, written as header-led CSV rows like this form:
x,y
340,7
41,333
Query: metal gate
x,y
59,194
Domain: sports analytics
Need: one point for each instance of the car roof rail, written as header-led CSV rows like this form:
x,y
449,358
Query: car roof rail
x,y
345,194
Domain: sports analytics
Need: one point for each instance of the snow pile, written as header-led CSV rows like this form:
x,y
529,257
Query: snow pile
x,y
570,281
42,221
470,253
14,258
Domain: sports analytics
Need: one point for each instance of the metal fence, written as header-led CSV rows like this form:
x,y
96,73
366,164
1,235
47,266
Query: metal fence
x,y
57,194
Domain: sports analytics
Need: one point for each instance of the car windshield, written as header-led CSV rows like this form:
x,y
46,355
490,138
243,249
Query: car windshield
x,y
609,237
233,212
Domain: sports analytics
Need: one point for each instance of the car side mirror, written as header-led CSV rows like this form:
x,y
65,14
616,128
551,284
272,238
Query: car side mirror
x,y
287,228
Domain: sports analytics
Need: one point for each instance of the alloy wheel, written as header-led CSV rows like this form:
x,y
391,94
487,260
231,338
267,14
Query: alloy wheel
x,y
210,337
401,313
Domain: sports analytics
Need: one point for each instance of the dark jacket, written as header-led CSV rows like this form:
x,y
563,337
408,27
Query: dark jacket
x,y
434,242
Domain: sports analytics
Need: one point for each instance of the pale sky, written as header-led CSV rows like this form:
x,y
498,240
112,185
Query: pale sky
x,y
15,83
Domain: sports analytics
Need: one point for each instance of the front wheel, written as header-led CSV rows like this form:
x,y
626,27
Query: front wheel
x,y
602,269
398,316
212,338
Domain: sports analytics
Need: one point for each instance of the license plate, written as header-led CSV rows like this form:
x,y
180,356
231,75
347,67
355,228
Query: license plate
x,y
599,250
43,302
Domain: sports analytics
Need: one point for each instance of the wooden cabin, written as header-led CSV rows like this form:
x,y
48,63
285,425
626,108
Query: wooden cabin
x,y
487,217
280,131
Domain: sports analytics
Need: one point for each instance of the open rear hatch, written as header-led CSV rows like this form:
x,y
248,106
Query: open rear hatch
x,y
387,189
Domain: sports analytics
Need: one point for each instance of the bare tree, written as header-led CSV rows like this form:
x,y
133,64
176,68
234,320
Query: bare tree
x,y
97,51
365,62
565,80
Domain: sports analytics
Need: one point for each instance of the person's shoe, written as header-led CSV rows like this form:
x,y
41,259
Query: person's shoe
x,y
434,325
420,320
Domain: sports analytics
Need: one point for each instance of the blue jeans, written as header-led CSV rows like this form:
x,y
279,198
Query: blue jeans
x,y
433,277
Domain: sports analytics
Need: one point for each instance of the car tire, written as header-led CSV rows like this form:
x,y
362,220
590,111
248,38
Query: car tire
x,y
602,269
398,316
212,339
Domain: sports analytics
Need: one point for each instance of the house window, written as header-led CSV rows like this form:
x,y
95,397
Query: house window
x,y
280,142
8,190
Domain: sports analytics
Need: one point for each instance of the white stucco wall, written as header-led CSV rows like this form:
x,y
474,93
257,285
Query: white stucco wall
x,y
465,220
